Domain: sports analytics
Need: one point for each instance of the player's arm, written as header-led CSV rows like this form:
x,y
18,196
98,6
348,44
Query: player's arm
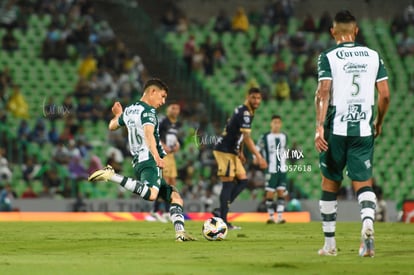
x,y
117,111
247,139
152,144
321,105
383,103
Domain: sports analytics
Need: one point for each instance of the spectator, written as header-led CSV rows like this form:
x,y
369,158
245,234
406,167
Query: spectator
x,y
9,42
255,49
398,24
406,45
222,23
198,60
208,60
94,164
29,193
7,195
240,22
73,149
77,171
309,68
53,134
17,104
182,24
39,132
277,41
8,14
282,89
189,50
240,78
325,22
60,153
298,43
98,109
296,90
55,176
5,172
84,109
316,46
278,68
88,66
219,54
23,132
68,105
293,73
169,20
409,14
309,23
30,169
105,33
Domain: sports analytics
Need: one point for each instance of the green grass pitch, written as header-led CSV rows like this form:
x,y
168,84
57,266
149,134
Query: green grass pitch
x,y
149,248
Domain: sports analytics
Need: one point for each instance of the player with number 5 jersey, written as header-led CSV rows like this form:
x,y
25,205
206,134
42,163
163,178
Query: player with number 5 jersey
x,y
349,74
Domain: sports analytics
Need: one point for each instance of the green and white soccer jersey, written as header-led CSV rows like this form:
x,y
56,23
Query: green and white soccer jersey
x,y
135,117
354,69
273,147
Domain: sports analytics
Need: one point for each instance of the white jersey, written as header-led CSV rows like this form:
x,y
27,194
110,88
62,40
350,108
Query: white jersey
x,y
354,69
134,118
273,147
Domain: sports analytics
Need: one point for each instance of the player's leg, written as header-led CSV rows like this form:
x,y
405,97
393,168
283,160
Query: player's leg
x,y
170,193
281,194
241,177
328,205
359,167
270,188
146,187
332,163
226,172
169,173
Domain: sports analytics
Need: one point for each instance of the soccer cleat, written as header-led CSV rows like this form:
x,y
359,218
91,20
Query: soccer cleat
x,y
367,248
103,174
270,221
281,221
327,252
182,236
233,227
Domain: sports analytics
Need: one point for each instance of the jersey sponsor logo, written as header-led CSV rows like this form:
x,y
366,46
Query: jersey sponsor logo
x,y
343,54
130,123
355,68
354,114
246,119
132,112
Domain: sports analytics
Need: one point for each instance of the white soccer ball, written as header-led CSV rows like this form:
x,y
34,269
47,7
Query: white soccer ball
x,y
215,229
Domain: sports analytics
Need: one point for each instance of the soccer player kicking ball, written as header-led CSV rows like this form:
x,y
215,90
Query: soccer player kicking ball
x,y
141,121
345,129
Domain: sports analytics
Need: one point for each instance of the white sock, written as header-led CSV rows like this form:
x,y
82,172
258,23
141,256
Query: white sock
x,y
367,200
117,178
328,212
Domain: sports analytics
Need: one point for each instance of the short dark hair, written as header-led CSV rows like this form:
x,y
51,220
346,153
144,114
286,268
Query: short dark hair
x,y
344,16
254,90
276,117
156,82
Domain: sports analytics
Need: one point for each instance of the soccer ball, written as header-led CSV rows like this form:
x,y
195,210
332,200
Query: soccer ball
x,y
214,229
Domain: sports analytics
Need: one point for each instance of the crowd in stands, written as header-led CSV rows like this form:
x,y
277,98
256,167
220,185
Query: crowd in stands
x,y
287,79
402,26
107,71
